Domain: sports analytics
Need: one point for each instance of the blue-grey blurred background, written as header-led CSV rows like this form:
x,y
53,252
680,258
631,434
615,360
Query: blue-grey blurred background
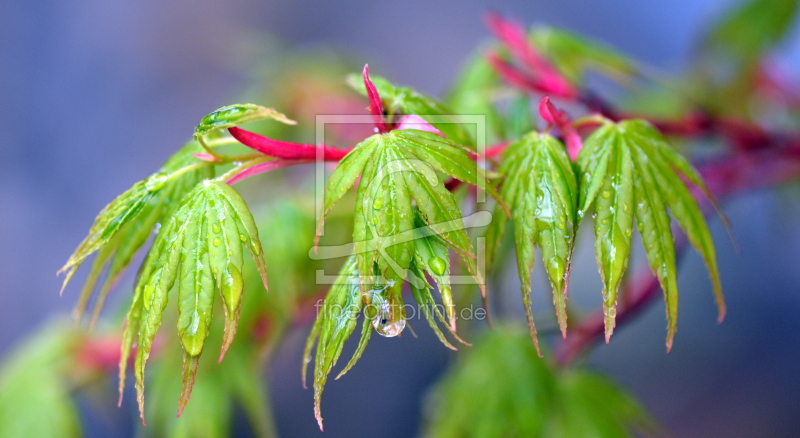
x,y
94,95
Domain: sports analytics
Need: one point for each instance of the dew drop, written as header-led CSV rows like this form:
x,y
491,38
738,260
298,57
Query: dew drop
x,y
437,265
606,194
243,238
230,252
255,247
217,242
148,292
377,204
216,228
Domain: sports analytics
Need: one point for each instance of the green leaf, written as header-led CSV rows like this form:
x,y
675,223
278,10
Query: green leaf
x,y
209,416
592,405
399,100
751,29
574,55
520,119
541,188
433,257
219,394
335,323
35,399
475,91
395,168
237,114
125,224
628,170
201,249
366,334
500,388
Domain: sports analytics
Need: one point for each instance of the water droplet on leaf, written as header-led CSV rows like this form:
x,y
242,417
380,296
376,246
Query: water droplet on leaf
x,y
438,265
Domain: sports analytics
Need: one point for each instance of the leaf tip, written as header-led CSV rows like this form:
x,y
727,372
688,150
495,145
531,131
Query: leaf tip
x,y
610,319
722,312
670,338
189,374
609,328
532,331
318,415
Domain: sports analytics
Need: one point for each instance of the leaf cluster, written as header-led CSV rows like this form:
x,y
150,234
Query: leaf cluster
x,y
500,388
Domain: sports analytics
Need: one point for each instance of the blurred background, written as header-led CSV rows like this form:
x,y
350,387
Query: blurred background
x,y
95,95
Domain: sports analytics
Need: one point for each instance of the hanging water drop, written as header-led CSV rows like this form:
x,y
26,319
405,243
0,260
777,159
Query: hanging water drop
x,y
216,228
387,328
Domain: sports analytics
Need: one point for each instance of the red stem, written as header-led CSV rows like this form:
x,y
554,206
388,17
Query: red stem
x,y
285,149
264,168
513,36
375,103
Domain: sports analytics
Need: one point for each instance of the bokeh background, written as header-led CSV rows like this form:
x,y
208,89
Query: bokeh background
x,y
94,95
